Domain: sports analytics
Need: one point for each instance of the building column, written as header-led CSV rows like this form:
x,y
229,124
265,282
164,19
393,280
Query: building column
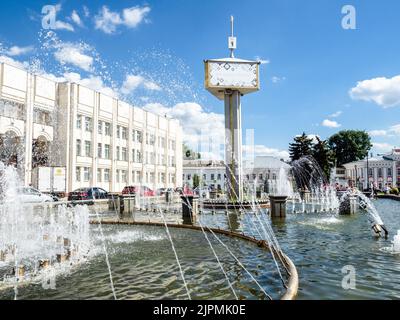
x,y
233,144
28,139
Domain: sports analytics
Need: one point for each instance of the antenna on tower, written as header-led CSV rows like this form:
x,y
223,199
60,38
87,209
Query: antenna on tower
x,y
232,40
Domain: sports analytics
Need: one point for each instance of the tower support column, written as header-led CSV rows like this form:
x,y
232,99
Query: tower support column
x,y
233,145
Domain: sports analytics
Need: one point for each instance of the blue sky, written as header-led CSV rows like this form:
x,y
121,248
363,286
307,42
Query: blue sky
x,y
151,53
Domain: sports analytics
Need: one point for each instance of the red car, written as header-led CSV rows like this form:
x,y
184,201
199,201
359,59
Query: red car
x,y
143,191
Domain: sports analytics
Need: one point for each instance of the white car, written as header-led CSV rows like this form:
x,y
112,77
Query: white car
x,y
32,195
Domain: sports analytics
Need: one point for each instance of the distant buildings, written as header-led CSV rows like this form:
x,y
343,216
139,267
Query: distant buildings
x,y
260,172
263,171
210,173
99,140
381,171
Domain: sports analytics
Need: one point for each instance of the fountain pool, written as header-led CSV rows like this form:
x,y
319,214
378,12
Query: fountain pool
x,y
143,267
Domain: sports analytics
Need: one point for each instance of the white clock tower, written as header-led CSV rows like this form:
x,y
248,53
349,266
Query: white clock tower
x,y
228,79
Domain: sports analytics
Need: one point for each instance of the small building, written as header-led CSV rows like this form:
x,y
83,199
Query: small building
x,y
380,171
263,171
211,173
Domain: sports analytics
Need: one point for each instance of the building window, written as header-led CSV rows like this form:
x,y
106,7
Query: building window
x,y
219,176
124,154
107,151
99,150
134,176
106,175
139,136
78,174
152,177
389,172
117,153
189,177
78,147
107,129
42,117
87,148
88,124
99,175
118,132
100,127
138,156
371,172
204,177
124,176
79,121
380,174
86,174
260,176
172,178
117,175
139,176
124,133
212,176
162,177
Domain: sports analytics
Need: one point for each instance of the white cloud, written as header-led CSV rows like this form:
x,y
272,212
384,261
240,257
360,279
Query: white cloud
x,y
108,21
134,16
378,133
203,131
385,92
132,82
382,146
86,11
61,25
330,124
75,54
336,114
17,51
76,18
276,79
261,150
12,62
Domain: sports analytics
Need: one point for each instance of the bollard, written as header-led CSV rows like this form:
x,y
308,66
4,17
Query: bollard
x,y
190,208
278,206
2,256
349,206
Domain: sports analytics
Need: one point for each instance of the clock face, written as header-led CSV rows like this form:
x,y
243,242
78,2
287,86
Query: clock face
x,y
232,75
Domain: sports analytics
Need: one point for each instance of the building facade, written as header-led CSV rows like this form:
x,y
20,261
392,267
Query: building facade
x,y
101,141
263,172
210,173
381,171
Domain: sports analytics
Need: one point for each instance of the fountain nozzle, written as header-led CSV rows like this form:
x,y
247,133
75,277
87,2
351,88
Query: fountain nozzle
x,y
379,228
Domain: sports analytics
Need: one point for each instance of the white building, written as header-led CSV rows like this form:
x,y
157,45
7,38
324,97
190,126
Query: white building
x,y
210,173
100,140
381,171
263,171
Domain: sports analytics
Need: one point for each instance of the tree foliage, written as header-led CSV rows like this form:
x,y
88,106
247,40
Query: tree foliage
x,y
349,146
196,181
302,146
324,156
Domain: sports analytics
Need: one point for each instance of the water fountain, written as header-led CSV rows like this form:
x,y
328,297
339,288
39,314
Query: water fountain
x,y
35,238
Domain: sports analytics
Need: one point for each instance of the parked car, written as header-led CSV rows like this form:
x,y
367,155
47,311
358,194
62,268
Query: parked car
x,y
161,191
142,191
87,194
32,195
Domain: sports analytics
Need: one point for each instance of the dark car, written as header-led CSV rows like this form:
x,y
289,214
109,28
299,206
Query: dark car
x,y
87,195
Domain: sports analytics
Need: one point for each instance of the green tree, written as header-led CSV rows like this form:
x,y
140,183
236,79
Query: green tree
x,y
196,181
302,146
324,156
189,154
350,145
